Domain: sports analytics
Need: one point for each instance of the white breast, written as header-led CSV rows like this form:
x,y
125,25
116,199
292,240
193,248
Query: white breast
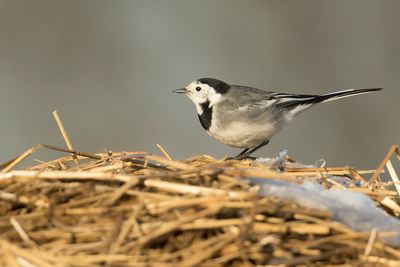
x,y
242,135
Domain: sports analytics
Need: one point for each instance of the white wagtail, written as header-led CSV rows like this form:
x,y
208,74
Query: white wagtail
x,y
246,117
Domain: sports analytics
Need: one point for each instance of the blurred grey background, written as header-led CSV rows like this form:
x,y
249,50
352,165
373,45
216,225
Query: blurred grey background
x,y
108,67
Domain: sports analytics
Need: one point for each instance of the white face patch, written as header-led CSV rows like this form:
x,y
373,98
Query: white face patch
x,y
200,93
198,108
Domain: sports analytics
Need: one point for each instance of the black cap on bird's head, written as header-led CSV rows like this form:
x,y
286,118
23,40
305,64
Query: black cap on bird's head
x,y
219,86
204,91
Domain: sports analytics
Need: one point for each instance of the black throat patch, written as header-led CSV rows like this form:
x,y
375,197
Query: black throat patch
x,y
205,117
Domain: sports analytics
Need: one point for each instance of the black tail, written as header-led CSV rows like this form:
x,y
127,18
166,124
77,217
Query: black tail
x,y
292,101
344,93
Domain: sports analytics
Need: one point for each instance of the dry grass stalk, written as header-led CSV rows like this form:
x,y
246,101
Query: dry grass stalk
x,y
64,134
165,153
135,209
394,176
11,164
394,149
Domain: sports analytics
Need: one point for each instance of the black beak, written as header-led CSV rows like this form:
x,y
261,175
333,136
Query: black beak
x,y
180,91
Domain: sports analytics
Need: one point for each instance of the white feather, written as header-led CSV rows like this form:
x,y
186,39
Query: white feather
x,y
293,112
344,96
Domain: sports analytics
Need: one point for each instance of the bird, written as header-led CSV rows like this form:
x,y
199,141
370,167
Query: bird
x,y
246,117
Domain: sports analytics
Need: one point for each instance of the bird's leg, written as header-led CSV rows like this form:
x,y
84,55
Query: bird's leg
x,y
241,153
247,152
244,151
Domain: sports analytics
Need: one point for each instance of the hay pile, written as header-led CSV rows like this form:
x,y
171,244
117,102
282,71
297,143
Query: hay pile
x,y
136,209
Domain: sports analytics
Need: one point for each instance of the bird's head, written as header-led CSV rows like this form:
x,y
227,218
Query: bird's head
x,y
204,91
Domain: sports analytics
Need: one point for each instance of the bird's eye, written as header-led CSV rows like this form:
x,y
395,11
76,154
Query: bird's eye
x,y
198,88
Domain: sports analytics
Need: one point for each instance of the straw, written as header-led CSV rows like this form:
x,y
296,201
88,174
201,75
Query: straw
x,y
137,209
64,134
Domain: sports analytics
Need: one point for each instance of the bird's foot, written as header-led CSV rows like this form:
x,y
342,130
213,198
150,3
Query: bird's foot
x,y
241,157
245,154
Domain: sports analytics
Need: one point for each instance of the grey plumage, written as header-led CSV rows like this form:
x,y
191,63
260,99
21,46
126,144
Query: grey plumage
x,y
247,117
